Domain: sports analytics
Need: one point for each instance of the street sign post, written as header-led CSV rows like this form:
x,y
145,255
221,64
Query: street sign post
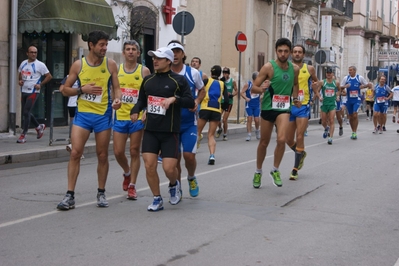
x,y
183,24
241,45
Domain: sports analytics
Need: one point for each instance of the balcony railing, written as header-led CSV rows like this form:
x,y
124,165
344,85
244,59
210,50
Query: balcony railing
x,y
339,10
375,24
306,2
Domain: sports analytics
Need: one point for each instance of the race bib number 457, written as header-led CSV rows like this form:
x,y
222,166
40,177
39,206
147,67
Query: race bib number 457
x,y
154,105
281,102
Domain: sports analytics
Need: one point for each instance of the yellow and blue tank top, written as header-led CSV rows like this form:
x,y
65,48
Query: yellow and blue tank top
x,y
304,84
130,83
101,76
213,95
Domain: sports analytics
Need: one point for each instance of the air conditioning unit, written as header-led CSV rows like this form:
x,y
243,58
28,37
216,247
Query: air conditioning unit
x,y
325,56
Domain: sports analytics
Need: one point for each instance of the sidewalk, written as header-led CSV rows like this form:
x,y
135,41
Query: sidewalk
x,y
40,149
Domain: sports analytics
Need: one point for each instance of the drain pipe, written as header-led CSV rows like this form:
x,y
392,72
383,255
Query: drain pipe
x,y
13,68
285,19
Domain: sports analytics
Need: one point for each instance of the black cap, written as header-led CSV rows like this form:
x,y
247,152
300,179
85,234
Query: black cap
x,y
216,70
329,70
226,70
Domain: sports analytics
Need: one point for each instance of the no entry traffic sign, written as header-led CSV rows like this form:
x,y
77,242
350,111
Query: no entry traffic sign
x,y
241,41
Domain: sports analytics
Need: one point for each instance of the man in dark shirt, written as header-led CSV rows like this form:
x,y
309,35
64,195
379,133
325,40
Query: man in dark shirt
x,y
163,94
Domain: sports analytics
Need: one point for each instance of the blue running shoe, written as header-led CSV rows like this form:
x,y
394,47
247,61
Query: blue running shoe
x,y
174,192
211,160
193,187
156,205
326,132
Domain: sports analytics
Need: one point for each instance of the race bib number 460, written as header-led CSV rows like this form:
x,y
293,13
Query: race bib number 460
x,y
154,105
281,102
129,95
91,97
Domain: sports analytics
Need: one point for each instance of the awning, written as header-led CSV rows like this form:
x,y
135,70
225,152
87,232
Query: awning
x,y
70,16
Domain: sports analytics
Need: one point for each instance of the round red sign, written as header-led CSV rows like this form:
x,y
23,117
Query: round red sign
x,y
241,41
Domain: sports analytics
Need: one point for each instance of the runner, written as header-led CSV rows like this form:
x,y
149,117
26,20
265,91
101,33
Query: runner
x,y
382,95
369,102
188,129
130,76
231,86
211,108
330,91
252,107
395,102
98,76
163,93
281,78
299,116
353,84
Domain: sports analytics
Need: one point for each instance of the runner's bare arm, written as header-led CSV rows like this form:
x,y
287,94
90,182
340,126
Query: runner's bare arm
x,y
265,73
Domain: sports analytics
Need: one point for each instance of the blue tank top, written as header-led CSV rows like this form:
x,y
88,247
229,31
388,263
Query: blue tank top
x,y
353,92
255,98
189,118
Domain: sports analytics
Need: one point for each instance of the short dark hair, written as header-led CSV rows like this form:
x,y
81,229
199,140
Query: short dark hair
x,y
95,36
176,41
196,57
131,42
216,70
300,45
283,41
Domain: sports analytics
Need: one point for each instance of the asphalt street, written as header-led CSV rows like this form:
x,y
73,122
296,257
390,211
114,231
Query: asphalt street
x,y
341,211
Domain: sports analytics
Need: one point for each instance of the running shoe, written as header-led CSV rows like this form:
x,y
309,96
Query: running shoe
x,y
257,132
397,131
131,192
218,132
367,118
393,119
354,135
256,182
248,138
302,161
21,139
329,141
378,127
347,122
193,187
225,138
159,159
375,130
341,131
174,192
326,132
67,203
306,133
101,200
126,182
294,175
40,131
275,175
380,131
156,205
68,147
211,160
201,137
383,128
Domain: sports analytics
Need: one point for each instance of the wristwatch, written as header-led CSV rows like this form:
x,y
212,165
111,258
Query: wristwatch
x,y
177,97
79,91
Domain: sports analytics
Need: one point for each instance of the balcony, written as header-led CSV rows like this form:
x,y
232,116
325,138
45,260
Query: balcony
x,y
306,3
340,13
375,25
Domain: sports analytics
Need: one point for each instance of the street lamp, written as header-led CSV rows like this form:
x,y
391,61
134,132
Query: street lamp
x,y
389,44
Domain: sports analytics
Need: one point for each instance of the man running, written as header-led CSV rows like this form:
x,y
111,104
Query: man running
x,y
196,63
98,78
369,103
163,93
252,107
330,92
31,72
281,83
299,117
231,86
395,102
188,126
353,84
130,76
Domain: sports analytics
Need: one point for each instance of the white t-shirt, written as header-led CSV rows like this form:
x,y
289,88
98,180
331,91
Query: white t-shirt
x,y
395,91
72,99
31,73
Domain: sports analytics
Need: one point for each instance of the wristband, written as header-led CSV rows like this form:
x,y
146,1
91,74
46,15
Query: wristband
x,y
295,99
79,91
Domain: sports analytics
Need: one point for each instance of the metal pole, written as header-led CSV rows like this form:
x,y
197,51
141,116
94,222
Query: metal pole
x,y
239,87
13,68
183,18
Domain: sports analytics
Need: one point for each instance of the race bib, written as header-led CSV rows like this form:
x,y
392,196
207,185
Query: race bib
x,y
281,102
301,95
154,105
254,96
129,95
329,93
25,74
353,94
380,99
91,97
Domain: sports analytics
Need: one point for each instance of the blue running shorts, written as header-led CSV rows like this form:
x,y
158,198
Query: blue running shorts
x,y
93,122
188,139
302,112
127,126
253,111
352,107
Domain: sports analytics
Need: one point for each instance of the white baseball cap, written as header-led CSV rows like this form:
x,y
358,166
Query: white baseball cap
x,y
175,45
163,52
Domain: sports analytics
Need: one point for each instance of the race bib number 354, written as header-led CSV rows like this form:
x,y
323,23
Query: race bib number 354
x,y
154,105
281,102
